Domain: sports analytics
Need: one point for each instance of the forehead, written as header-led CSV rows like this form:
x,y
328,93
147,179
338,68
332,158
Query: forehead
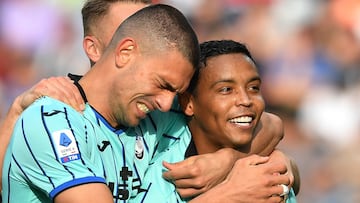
x,y
117,13
228,65
173,68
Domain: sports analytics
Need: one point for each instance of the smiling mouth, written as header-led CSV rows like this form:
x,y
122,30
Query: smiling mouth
x,y
242,120
143,108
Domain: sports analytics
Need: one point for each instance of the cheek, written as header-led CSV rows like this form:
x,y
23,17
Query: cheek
x,y
213,108
259,103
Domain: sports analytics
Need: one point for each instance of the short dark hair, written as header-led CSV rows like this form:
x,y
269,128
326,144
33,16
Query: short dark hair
x,y
159,28
214,48
94,10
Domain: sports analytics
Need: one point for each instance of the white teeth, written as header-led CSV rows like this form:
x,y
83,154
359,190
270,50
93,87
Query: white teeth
x,y
143,108
243,119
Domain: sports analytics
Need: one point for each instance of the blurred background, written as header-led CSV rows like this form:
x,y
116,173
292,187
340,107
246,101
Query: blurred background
x,y
308,53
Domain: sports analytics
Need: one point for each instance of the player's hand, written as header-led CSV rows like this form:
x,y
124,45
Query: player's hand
x,y
60,88
292,169
255,180
198,174
252,179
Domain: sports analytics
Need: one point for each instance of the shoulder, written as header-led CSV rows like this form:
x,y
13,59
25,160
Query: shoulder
x,y
48,115
49,108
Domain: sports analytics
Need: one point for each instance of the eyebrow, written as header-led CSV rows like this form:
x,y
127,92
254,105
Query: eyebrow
x,y
255,78
169,87
232,81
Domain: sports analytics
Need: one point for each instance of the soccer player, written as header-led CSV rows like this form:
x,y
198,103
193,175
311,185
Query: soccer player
x,y
57,154
100,20
223,104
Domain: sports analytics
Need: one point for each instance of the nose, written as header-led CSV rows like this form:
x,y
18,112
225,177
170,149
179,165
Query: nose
x,y
165,100
243,98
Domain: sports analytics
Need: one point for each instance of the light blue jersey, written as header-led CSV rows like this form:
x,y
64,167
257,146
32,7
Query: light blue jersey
x,y
53,148
162,191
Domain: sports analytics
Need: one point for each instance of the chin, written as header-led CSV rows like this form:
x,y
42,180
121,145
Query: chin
x,y
243,141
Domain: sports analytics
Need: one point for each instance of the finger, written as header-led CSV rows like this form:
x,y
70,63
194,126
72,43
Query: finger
x,y
276,199
276,167
282,192
170,166
59,90
279,179
178,171
188,192
63,89
194,182
73,93
255,160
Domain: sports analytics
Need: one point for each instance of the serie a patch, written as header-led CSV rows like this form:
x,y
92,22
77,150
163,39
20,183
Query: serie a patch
x,y
65,145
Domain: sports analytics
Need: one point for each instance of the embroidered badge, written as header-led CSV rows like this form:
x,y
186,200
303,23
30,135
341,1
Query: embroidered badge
x,y
65,145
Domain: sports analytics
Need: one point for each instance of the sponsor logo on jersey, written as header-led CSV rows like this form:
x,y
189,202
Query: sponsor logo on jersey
x,y
65,145
104,145
139,147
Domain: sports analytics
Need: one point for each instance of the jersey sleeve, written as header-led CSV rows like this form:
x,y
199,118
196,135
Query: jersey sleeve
x,y
50,152
291,197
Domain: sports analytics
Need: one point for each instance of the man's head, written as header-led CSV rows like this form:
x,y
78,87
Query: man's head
x,y
224,100
100,20
151,57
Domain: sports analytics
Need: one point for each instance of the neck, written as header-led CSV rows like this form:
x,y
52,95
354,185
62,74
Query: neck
x,y
202,143
96,85
205,145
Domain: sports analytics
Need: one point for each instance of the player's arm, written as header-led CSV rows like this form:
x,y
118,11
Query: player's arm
x,y
61,88
191,177
6,129
269,133
86,193
251,180
198,174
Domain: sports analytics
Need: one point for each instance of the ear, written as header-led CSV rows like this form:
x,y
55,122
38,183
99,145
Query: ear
x,y
124,50
93,48
186,103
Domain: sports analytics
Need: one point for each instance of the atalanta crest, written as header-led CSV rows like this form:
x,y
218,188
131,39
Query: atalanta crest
x,y
139,147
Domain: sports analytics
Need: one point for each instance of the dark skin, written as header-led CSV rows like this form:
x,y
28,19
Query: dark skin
x,y
232,118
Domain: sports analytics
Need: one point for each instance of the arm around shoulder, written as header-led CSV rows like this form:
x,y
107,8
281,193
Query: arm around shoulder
x,y
268,135
6,129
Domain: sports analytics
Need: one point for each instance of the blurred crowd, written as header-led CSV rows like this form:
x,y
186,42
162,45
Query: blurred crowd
x,y
308,53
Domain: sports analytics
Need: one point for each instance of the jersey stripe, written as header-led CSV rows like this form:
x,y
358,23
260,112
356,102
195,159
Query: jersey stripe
x,y
32,155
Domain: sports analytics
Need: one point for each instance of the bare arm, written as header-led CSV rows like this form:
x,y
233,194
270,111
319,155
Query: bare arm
x,y
269,134
197,174
251,180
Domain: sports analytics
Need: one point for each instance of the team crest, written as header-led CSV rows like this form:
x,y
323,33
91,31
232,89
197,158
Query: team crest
x,y
139,147
65,145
